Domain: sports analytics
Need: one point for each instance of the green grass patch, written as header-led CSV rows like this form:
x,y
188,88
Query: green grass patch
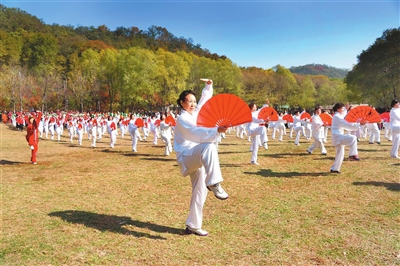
x,y
103,206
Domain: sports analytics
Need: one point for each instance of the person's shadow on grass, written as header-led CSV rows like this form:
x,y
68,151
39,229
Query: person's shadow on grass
x,y
6,162
388,186
114,223
270,173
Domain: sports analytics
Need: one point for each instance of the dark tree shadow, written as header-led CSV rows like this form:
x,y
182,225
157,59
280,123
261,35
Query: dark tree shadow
x,y
159,159
283,155
270,173
388,186
232,165
6,162
232,152
323,158
113,223
361,150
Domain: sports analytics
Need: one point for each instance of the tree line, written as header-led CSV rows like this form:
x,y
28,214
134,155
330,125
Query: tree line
x,y
54,67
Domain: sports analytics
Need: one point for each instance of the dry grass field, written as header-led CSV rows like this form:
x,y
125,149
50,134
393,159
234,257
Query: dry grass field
x,y
101,206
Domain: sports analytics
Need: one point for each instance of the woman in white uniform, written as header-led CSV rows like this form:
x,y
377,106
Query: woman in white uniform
x,y
340,139
166,135
257,133
297,127
395,128
197,156
317,127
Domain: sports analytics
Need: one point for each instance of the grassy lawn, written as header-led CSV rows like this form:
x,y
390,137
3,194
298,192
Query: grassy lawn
x,y
101,206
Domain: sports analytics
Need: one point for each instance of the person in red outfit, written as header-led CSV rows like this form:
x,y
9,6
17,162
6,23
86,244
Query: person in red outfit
x,y
32,135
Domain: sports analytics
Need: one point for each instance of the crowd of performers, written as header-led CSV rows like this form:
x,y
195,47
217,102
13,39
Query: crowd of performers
x,y
92,126
196,147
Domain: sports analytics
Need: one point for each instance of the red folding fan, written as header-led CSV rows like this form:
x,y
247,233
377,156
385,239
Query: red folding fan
x,y
170,119
157,122
268,114
326,119
305,115
139,122
385,117
363,114
225,110
288,118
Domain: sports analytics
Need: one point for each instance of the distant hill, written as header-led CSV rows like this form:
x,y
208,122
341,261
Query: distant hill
x,y
316,69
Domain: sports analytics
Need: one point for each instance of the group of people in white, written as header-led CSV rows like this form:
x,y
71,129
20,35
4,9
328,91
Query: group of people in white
x,y
197,147
95,125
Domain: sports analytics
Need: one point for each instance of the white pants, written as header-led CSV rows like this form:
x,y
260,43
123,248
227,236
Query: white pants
x,y
255,143
282,131
71,133
344,140
154,136
299,131
80,136
113,138
395,146
318,143
375,135
204,170
326,133
134,136
94,131
168,145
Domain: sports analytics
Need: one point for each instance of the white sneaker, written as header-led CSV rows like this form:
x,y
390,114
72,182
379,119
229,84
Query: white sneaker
x,y
265,145
218,191
255,163
199,232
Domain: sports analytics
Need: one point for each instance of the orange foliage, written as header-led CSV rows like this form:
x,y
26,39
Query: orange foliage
x,y
96,45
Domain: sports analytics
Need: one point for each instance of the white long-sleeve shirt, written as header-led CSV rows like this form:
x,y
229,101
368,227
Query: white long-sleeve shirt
x,y
255,122
317,127
297,122
339,124
187,134
395,120
165,130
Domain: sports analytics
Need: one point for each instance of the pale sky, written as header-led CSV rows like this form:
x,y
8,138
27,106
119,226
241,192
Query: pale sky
x,y
250,33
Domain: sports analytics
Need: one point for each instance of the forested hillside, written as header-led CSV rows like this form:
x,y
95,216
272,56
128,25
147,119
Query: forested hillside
x,y
318,69
56,67
155,37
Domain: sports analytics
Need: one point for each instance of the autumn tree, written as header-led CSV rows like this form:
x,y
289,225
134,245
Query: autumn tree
x,y
173,72
375,79
140,75
110,76
307,94
257,85
286,87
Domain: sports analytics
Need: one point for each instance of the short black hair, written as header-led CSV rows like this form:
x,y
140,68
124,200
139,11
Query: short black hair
x,y
394,102
337,106
183,95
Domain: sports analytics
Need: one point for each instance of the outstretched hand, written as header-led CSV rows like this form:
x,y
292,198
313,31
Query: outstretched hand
x,y
208,81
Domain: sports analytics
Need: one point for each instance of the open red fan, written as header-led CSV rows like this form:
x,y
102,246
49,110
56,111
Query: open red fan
x,y
157,122
305,115
170,119
225,110
139,122
268,113
385,117
288,118
363,114
326,118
